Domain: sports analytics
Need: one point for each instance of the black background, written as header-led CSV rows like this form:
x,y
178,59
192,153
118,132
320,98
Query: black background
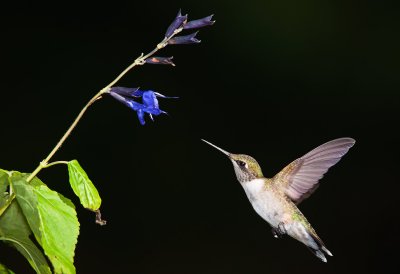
x,y
272,79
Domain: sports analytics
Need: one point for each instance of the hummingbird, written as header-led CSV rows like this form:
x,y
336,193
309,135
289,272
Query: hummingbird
x,y
276,199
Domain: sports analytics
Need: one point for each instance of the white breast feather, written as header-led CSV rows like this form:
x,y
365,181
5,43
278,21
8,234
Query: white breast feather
x,y
265,203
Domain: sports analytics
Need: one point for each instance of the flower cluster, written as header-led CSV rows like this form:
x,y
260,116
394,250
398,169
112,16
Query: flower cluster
x,y
180,23
149,103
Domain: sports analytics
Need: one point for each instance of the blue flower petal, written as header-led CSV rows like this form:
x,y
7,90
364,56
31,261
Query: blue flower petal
x,y
140,115
154,111
135,105
150,99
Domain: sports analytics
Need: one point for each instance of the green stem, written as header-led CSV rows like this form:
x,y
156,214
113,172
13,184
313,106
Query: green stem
x,y
66,134
56,163
141,60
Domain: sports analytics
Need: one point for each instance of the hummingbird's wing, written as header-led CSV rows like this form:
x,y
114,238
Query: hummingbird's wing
x,y
300,178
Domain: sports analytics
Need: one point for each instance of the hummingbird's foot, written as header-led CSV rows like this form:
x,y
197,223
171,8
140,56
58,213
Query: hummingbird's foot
x,y
281,228
275,233
279,231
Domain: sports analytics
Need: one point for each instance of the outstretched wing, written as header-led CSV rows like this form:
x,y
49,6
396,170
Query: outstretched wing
x,y
300,178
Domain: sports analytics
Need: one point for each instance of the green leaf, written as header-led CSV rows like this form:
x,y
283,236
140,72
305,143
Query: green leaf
x,y
52,219
27,200
5,270
15,230
3,188
83,186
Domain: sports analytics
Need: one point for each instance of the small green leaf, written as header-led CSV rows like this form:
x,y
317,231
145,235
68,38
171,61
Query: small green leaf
x,y
83,186
15,231
52,219
5,270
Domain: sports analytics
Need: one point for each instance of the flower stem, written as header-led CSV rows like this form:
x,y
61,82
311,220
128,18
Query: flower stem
x,y
44,163
141,60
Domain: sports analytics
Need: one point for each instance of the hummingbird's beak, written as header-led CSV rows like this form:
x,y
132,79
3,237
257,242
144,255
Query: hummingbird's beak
x,y
220,149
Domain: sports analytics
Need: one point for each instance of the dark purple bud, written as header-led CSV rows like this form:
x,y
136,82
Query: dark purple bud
x,y
176,24
160,61
187,39
126,92
199,23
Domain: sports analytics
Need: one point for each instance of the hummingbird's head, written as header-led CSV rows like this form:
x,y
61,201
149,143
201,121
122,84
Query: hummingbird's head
x,y
246,167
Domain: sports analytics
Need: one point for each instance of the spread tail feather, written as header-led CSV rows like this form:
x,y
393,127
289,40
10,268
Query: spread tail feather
x,y
319,251
326,251
319,254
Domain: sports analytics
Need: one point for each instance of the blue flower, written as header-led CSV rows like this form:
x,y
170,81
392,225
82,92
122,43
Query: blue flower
x,y
149,103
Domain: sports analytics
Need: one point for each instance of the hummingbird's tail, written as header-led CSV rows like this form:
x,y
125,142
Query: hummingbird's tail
x,y
303,232
317,247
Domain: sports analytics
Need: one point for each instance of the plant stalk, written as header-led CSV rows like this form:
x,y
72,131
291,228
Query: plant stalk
x,y
141,60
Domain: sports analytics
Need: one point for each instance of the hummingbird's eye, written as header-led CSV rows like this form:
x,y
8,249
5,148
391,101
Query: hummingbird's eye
x,y
241,163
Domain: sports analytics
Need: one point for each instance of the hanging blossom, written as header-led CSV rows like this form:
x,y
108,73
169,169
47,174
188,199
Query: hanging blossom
x,y
149,104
